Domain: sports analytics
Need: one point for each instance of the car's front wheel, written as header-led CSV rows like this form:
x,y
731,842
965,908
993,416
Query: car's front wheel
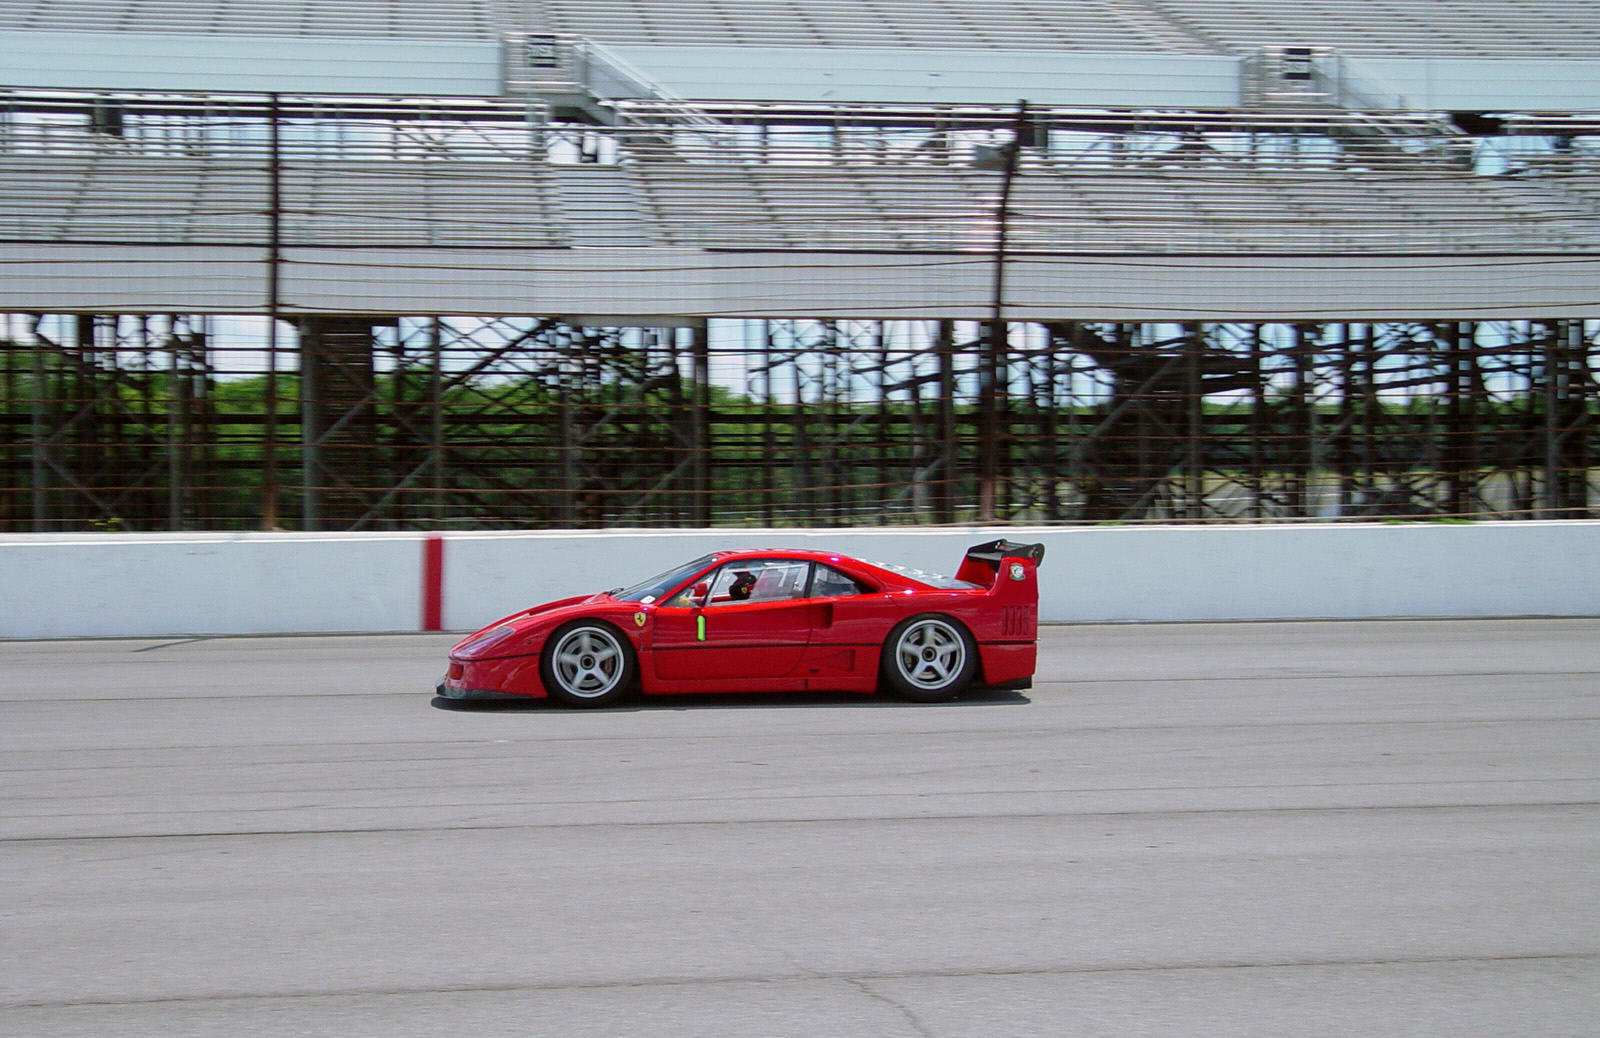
x,y
588,664
929,658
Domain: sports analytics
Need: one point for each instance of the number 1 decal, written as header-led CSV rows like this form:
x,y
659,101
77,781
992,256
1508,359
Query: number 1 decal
x,y
700,628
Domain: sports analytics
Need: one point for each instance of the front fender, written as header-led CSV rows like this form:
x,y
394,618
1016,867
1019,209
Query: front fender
x,y
524,633
492,679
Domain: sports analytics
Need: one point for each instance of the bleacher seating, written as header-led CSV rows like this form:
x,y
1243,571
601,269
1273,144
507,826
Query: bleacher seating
x,y
1062,202
1377,28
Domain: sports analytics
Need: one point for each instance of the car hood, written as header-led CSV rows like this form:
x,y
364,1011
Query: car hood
x,y
508,636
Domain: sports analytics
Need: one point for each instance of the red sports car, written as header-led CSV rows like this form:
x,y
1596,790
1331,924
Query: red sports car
x,y
770,621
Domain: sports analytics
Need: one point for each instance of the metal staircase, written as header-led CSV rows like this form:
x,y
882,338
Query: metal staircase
x,y
578,78
1296,76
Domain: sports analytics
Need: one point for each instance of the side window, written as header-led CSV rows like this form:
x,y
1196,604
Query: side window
x,y
757,580
829,582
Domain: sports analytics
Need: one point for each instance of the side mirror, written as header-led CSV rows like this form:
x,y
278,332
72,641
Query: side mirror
x,y
699,593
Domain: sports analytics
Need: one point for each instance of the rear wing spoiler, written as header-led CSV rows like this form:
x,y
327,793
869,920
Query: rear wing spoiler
x,y
982,562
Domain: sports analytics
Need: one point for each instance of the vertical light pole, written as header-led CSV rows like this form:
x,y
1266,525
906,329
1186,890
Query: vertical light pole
x,y
993,370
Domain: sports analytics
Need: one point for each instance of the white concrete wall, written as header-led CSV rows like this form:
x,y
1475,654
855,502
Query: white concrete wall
x,y
54,586
1324,571
113,585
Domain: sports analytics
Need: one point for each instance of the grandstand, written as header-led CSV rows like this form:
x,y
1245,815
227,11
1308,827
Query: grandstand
x,y
502,263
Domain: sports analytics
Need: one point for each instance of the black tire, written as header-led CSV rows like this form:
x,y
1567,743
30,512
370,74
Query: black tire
x,y
929,658
588,664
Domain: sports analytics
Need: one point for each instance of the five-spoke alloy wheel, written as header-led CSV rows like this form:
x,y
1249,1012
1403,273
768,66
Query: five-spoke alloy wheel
x,y
587,664
929,658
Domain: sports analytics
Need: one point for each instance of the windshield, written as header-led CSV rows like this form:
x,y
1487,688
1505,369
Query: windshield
x,y
657,586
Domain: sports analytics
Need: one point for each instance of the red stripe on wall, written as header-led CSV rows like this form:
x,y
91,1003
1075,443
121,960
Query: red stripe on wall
x,y
433,583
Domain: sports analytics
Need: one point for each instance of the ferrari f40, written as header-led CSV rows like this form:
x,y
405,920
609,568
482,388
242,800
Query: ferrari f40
x,y
770,621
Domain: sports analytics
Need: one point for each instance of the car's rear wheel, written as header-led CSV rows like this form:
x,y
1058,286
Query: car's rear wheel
x,y
588,664
929,658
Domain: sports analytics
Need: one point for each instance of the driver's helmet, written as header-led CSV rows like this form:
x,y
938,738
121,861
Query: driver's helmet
x,y
743,581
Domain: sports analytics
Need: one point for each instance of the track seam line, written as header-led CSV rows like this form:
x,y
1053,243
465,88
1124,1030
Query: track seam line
x,y
819,820
807,976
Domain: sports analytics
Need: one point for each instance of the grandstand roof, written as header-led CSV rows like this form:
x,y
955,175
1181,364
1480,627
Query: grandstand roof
x,y
1427,54
1419,28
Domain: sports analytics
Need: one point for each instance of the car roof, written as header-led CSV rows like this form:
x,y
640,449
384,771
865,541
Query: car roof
x,y
808,554
891,577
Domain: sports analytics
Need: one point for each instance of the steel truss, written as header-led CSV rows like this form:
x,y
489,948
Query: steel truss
x,y
501,423
118,422
112,423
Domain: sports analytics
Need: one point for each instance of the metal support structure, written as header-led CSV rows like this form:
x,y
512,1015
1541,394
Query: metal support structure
x,y
993,436
147,423
1194,497
339,428
177,435
566,405
436,423
948,434
36,436
1460,451
700,449
1570,420
269,462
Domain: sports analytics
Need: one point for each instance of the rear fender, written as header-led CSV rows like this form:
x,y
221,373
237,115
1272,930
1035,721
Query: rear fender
x,y
1014,599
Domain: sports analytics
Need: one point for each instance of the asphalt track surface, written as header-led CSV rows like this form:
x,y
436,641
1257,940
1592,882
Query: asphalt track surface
x,y
1251,829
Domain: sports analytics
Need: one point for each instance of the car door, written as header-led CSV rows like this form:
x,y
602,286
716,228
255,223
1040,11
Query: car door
x,y
754,624
852,621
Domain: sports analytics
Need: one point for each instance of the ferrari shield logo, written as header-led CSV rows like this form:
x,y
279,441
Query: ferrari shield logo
x,y
638,619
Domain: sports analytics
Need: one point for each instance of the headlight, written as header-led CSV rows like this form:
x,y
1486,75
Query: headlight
x,y
480,643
